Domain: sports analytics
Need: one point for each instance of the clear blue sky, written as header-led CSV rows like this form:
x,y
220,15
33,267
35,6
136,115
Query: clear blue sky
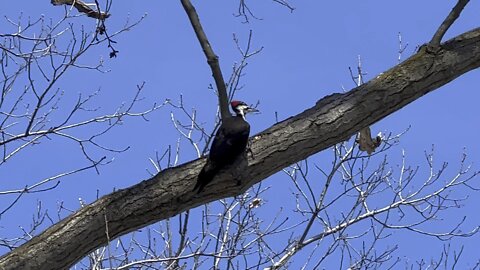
x,y
306,56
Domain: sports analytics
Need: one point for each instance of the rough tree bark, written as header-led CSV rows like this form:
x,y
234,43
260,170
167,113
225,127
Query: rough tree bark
x,y
333,119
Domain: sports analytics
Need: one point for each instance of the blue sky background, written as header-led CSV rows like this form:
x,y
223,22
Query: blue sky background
x,y
306,56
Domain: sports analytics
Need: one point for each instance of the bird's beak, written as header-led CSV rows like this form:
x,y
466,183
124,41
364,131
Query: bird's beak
x,y
250,110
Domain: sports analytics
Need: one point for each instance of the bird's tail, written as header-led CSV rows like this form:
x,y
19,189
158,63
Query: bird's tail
x,y
206,176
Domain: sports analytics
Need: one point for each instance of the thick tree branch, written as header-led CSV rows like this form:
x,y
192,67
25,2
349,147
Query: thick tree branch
x,y
333,119
449,20
212,58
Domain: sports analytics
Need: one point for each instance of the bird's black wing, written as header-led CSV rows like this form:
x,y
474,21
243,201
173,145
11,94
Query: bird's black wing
x,y
229,142
212,167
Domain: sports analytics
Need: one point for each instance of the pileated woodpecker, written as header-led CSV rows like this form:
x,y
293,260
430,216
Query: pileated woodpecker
x,y
229,143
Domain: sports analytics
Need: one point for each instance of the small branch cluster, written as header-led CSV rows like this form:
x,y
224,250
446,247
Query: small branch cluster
x,y
245,12
34,106
346,211
232,235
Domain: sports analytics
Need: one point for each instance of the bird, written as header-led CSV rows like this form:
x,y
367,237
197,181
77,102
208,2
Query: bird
x,y
229,142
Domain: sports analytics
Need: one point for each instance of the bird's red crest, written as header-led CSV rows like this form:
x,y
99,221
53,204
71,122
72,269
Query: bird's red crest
x,y
235,103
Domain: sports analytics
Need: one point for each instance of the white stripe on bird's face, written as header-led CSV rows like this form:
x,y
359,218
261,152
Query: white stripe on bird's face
x,y
242,110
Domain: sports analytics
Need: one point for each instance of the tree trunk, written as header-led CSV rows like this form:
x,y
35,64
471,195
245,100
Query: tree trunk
x,y
332,120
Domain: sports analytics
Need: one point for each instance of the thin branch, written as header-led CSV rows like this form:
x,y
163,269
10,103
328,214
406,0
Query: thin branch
x,y
212,58
452,16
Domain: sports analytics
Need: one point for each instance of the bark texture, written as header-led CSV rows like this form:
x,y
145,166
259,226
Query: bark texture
x,y
333,119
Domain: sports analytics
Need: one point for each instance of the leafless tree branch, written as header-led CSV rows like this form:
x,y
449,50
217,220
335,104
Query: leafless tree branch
x,y
212,58
449,20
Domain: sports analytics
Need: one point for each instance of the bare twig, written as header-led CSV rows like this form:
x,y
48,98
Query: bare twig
x,y
33,59
245,11
401,47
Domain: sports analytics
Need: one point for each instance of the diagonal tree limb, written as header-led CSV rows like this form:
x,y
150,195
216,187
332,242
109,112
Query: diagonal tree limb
x,y
212,58
331,120
449,20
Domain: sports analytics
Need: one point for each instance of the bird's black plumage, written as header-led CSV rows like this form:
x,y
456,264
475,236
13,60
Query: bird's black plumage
x,y
229,143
